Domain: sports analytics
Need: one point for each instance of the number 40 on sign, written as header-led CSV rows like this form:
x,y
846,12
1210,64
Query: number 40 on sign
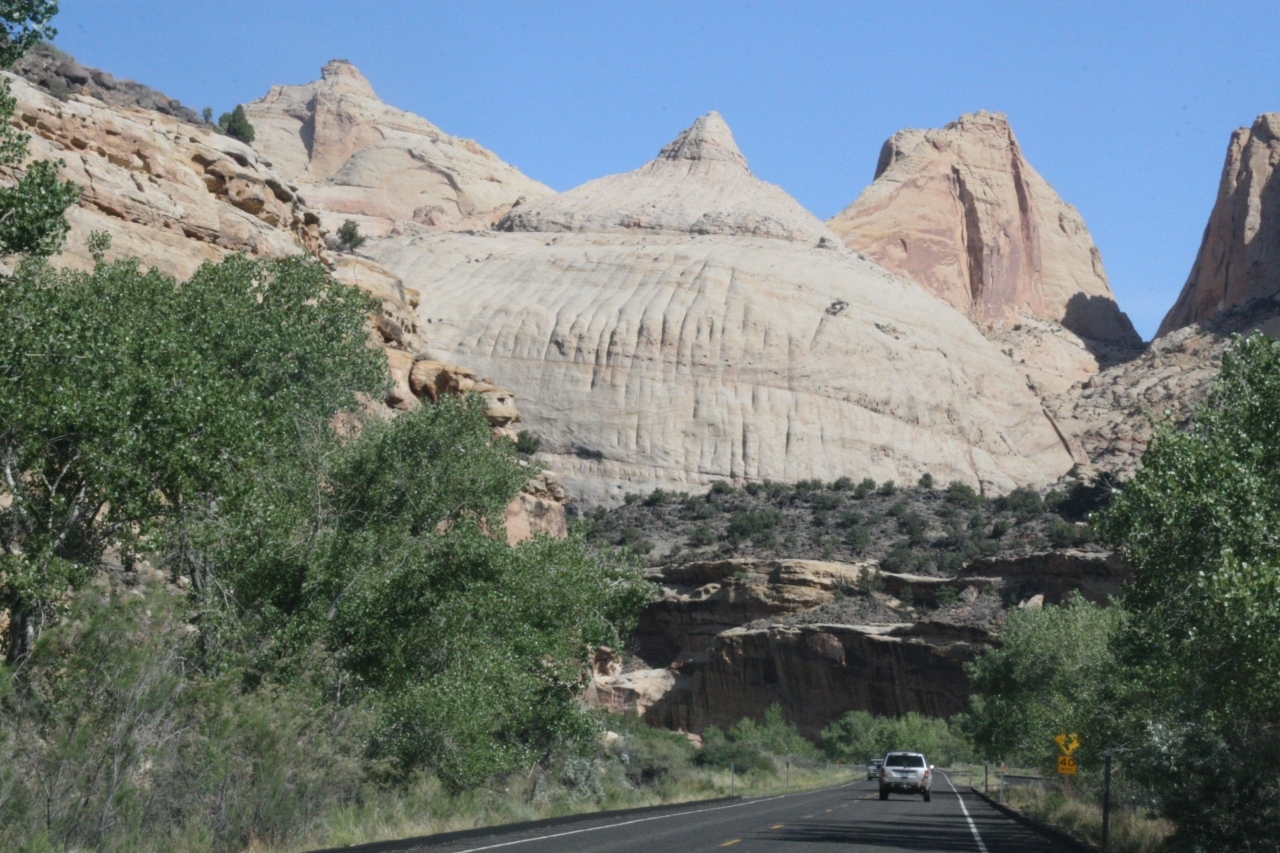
x,y
1066,765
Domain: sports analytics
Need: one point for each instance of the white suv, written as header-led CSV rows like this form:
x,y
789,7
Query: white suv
x,y
906,772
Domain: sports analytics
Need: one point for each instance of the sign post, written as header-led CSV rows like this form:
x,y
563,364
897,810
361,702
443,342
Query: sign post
x,y
1106,798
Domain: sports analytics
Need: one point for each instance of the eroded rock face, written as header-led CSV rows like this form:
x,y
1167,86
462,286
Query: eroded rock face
x,y
961,212
358,158
725,639
168,192
685,322
1108,419
1239,257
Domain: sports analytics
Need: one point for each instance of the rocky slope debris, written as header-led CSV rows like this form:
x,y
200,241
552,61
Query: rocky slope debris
x,y
1239,257
961,212
687,322
389,170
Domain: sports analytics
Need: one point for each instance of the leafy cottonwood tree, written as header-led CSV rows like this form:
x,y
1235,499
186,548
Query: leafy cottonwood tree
x,y
31,210
127,400
1200,524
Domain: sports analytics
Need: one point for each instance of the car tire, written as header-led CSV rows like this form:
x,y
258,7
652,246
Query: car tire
x,y
884,794
927,796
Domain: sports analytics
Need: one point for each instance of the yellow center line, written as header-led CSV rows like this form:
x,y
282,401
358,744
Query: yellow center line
x,y
828,811
809,815
728,843
778,826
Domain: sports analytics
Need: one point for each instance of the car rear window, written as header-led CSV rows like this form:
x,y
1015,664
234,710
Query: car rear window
x,y
905,761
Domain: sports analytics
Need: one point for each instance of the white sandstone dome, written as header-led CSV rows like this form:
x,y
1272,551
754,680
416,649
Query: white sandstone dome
x,y
681,324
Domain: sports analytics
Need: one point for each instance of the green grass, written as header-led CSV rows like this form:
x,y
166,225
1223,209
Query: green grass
x,y
1131,831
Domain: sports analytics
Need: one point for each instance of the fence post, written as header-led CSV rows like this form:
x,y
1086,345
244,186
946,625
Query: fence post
x,y
730,778
828,772
788,772
1002,781
986,780
1106,798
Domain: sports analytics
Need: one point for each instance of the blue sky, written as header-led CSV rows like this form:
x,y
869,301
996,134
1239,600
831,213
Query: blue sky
x,y
1126,108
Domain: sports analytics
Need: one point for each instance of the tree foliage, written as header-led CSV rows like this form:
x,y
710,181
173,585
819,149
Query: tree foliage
x,y
31,210
1053,671
236,125
859,736
126,400
1198,524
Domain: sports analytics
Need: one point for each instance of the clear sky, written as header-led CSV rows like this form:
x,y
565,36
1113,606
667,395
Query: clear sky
x,y
1124,107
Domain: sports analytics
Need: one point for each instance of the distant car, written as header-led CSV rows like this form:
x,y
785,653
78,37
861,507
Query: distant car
x,y
873,768
906,773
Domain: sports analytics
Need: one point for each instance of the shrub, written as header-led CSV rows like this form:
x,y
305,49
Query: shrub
x,y
864,488
826,501
633,538
1024,502
527,443
803,488
630,498
701,536
999,528
843,484
849,519
947,596
887,488
754,489
349,235
656,498
857,538
236,125
752,524
925,481
963,495
1062,535
722,487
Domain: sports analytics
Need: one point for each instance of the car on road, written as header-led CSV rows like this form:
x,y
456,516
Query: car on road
x,y
906,773
873,768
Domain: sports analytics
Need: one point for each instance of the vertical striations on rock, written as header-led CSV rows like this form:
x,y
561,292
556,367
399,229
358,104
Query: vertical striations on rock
x,y
961,212
1239,257
357,158
687,322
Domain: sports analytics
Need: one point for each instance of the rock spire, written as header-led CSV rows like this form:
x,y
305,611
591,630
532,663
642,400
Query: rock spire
x,y
961,212
698,184
1239,257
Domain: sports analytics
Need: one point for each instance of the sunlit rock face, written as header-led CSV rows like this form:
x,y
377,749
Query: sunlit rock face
x,y
357,158
687,322
1239,257
960,211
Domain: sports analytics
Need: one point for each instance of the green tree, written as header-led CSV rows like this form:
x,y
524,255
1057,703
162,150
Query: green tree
x,y
859,736
128,400
349,235
1198,525
236,125
1053,671
31,210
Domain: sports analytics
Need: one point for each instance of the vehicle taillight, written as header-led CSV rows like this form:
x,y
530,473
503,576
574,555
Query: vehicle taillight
x,y
926,774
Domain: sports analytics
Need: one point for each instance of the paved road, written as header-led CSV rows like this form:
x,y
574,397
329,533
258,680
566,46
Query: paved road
x,y
848,819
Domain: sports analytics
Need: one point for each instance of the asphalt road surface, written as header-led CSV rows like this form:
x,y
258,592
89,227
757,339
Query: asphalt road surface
x,y
848,819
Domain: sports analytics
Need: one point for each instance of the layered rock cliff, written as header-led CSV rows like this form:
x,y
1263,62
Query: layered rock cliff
x,y
961,212
687,322
1239,257
389,170
726,639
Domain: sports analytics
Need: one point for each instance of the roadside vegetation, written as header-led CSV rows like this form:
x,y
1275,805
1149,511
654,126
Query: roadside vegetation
x,y
1179,677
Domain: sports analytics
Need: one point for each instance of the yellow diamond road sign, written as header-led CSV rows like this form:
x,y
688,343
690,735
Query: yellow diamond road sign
x,y
1068,743
1067,765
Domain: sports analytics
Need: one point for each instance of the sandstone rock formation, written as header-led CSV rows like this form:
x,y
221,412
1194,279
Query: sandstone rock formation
x,y
687,322
726,639
961,212
168,192
387,169
1108,419
175,194
1239,257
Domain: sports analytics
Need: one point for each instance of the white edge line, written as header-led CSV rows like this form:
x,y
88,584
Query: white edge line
x,y
972,826
657,817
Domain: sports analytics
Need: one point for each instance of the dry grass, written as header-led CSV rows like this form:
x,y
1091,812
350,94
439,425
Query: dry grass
x,y
425,808
1131,831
